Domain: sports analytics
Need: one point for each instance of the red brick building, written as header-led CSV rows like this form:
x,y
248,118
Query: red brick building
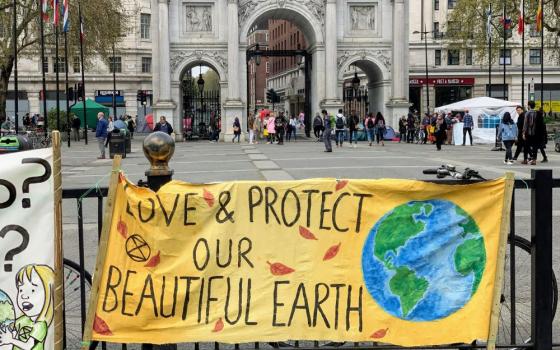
x,y
257,74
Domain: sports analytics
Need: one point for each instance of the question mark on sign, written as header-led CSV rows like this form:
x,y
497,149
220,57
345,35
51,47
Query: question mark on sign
x,y
14,251
26,202
11,194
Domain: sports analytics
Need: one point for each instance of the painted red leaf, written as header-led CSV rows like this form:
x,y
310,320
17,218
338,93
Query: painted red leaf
x,y
101,327
154,261
332,252
305,233
340,184
381,333
208,197
218,326
122,228
279,269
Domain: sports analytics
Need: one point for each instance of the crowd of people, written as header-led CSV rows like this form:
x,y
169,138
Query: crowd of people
x,y
271,127
106,127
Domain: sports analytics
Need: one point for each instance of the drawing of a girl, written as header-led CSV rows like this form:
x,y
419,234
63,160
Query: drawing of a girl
x,y
35,285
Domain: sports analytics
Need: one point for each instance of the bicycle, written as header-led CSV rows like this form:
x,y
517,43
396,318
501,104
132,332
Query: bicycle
x,y
522,250
73,303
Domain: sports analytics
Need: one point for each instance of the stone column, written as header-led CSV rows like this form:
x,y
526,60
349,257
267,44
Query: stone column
x,y
233,106
399,100
164,105
331,101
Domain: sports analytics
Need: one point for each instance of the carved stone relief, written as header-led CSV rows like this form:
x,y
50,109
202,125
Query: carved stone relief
x,y
382,56
316,7
362,17
198,18
220,57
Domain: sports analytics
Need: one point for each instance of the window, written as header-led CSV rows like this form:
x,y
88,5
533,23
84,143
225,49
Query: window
x,y
436,30
468,57
267,67
535,56
451,4
438,58
436,5
76,64
145,25
146,64
61,66
505,58
453,57
46,64
115,66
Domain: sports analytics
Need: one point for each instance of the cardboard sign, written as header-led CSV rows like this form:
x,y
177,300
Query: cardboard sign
x,y
27,250
393,261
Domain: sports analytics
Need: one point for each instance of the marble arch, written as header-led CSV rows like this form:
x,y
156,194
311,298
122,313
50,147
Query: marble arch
x,y
373,33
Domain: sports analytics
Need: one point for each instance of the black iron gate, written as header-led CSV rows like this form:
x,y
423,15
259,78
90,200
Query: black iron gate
x,y
201,110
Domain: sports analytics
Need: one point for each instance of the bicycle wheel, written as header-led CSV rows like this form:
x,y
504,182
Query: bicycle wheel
x,y
521,331
73,304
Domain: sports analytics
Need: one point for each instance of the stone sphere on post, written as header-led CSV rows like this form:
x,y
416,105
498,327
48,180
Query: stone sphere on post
x,y
159,148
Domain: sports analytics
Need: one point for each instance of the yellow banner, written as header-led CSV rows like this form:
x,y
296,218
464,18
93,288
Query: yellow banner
x,y
393,261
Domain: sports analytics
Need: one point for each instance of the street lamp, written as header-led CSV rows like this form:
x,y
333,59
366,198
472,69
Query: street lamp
x,y
200,83
258,55
355,86
424,34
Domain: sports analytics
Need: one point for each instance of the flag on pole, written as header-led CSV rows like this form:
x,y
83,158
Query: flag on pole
x,y
55,12
540,17
82,33
489,24
521,19
45,10
65,16
506,22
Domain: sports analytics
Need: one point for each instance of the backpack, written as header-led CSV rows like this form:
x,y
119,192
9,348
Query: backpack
x,y
339,123
370,123
318,121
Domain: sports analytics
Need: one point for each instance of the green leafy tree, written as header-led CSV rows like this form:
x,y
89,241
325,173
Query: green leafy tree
x,y
467,25
101,32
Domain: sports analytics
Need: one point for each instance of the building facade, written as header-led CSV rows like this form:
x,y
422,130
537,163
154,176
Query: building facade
x,y
168,38
258,68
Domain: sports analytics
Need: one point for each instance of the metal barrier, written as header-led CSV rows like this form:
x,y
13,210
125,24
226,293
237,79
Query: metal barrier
x,y
524,324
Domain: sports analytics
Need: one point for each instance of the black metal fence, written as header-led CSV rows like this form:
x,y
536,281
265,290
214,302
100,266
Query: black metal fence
x,y
528,304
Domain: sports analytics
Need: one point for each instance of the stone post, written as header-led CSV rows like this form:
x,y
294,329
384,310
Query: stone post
x,y
398,105
233,106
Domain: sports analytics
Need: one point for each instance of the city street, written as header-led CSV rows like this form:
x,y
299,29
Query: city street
x,y
210,162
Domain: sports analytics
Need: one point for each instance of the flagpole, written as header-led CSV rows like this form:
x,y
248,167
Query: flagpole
x,y
45,123
542,55
505,48
16,90
489,32
523,55
83,69
67,89
57,74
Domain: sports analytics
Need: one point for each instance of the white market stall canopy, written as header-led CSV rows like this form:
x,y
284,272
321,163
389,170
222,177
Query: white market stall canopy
x,y
486,112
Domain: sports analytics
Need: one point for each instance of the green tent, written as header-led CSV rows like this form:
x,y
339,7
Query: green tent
x,y
92,108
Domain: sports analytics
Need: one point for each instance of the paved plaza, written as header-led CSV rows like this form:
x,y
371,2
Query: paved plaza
x,y
211,162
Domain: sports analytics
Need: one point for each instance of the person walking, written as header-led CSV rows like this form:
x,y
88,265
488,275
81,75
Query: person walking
x,y
280,125
410,128
76,123
271,128
440,131
449,120
317,126
236,130
530,133
541,136
353,123
370,128
163,126
380,128
340,125
468,124
424,128
110,128
521,144
101,133
131,126
327,130
293,125
256,129
251,127
507,133
402,129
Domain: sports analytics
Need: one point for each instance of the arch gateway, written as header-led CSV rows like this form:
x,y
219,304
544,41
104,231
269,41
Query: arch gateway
x,y
370,34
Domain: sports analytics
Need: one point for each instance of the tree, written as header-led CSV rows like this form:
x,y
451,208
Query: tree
x,y
101,31
467,24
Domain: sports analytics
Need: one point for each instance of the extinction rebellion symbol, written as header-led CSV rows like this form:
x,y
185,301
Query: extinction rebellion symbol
x,y
137,249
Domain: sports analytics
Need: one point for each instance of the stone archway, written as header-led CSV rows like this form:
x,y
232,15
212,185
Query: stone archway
x,y
376,64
